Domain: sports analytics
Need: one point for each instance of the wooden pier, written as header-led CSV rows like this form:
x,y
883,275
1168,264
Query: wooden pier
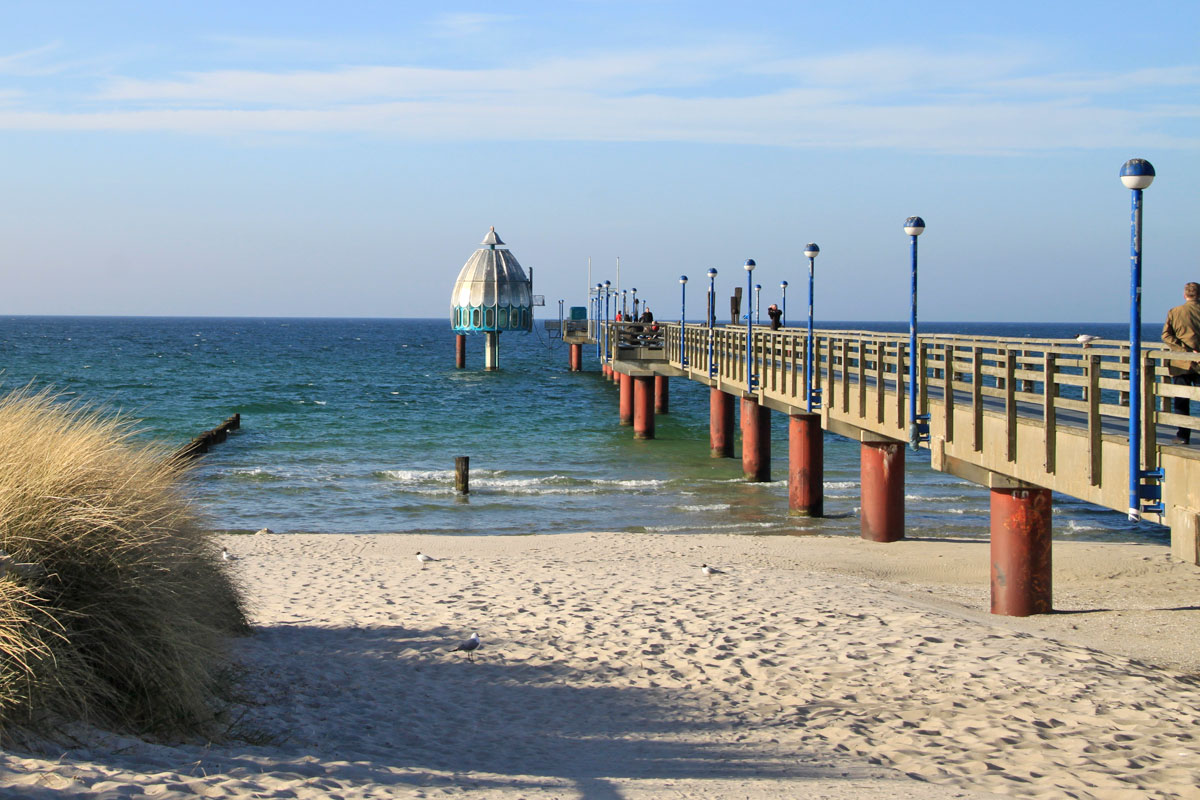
x,y
1012,415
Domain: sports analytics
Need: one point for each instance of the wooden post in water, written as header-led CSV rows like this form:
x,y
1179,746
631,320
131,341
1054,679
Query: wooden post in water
x,y
462,474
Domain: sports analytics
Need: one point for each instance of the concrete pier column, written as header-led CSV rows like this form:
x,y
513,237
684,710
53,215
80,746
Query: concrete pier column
x,y
806,466
662,395
491,351
756,440
626,398
460,350
720,423
882,475
1020,552
643,406
576,358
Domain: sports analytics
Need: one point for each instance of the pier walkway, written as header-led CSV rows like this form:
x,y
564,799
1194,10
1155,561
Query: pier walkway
x,y
1007,414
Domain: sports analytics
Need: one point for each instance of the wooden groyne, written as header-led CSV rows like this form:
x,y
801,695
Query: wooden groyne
x,y
207,439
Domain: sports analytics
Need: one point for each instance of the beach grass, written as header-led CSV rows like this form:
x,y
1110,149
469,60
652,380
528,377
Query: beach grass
x,y
115,606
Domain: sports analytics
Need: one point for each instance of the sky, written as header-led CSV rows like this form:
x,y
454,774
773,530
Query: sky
x,y
345,159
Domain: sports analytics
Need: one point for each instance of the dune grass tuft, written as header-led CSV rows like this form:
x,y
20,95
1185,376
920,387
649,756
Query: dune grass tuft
x,y
115,606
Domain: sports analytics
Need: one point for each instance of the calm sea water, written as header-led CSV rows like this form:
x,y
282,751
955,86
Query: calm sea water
x,y
352,425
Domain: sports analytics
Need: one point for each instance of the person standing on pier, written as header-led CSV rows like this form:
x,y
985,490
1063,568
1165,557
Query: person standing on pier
x,y
775,316
1182,332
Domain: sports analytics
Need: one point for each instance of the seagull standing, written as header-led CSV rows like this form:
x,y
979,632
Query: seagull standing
x,y
228,556
469,647
425,559
707,570
1086,338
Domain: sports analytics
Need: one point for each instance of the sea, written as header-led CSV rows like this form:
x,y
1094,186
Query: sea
x,y
353,426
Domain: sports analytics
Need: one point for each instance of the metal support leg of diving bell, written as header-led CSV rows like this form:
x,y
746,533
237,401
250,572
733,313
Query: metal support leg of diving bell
x,y
720,423
460,350
643,407
882,480
756,441
1020,550
806,466
491,352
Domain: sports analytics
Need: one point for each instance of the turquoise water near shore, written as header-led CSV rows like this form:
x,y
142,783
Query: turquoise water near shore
x,y
352,426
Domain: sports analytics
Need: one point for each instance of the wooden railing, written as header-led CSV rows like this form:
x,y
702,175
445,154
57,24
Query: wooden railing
x,y
1047,412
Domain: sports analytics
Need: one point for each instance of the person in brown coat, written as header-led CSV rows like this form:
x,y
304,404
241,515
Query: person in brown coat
x,y
1182,332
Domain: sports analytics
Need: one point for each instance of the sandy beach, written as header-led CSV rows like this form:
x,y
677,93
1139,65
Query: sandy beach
x,y
611,667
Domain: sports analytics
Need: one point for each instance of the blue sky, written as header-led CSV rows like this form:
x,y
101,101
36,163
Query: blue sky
x,y
345,159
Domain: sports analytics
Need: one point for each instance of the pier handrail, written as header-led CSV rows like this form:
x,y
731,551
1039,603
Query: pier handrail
x,y
1002,406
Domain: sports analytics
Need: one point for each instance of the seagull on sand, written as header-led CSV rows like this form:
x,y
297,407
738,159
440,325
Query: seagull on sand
x,y
228,556
469,646
1086,338
707,570
425,559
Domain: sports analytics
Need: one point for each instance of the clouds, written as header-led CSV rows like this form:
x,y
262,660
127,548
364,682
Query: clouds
x,y
1002,98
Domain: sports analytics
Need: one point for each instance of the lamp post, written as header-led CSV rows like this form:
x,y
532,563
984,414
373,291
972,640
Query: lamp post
x,y
750,382
712,315
783,310
600,325
757,304
914,227
624,305
607,348
1136,174
810,250
682,318
633,292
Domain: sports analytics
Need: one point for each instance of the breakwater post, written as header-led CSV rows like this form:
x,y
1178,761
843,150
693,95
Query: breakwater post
x,y
207,439
462,474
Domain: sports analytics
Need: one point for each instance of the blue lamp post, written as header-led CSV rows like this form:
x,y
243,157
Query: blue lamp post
x,y
624,305
783,309
599,324
1136,174
607,349
682,318
750,377
757,304
918,431
810,251
712,316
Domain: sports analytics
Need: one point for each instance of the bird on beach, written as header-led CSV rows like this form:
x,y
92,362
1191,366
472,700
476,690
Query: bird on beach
x,y
227,556
707,570
425,559
469,646
1086,338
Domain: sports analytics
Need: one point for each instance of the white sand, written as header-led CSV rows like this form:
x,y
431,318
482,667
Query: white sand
x,y
611,667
